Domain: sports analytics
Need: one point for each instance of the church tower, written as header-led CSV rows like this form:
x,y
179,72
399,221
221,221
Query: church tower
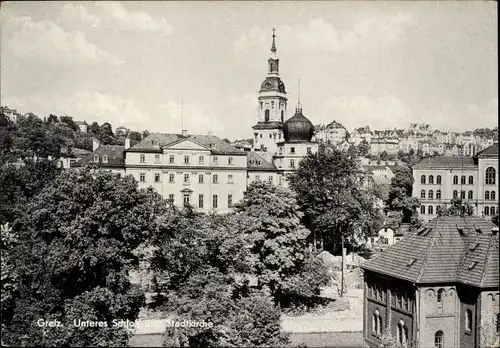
x,y
272,106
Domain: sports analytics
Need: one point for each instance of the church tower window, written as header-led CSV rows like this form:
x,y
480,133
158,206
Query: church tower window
x,y
282,116
266,115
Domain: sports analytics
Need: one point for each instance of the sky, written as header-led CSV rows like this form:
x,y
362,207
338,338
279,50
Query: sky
x,y
375,63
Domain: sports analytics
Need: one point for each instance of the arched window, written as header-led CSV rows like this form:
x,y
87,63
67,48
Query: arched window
x,y
471,180
266,115
376,323
455,180
463,180
431,179
470,195
462,194
468,320
438,339
282,116
422,194
431,194
422,209
492,195
455,194
422,179
438,194
379,325
486,211
490,176
440,295
430,210
492,211
402,332
486,195
104,159
438,209
438,180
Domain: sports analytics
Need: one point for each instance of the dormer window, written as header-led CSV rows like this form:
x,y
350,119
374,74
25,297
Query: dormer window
x,y
104,159
96,158
156,143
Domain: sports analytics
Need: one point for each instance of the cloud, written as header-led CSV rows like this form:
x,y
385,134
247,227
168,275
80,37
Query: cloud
x,y
379,113
140,21
84,105
47,42
75,13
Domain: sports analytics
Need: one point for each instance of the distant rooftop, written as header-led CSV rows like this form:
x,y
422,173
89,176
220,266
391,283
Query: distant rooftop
x,y
450,162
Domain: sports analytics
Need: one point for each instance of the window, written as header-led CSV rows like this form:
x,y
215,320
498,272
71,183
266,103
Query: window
x,y
438,194
455,180
271,179
376,323
440,296
430,210
292,150
422,209
266,116
143,158
272,105
186,178
431,194
186,159
468,320
156,143
462,194
142,177
157,158
455,194
104,159
279,180
471,180
186,198
96,158
200,178
280,151
282,116
438,210
215,202
270,136
402,333
157,177
230,160
229,200
171,178
261,136
487,195
257,178
470,195
463,180
230,178
292,163
492,195
422,179
399,300
431,179
171,159
438,180
171,198
215,179
308,150
261,105
486,211
200,200
216,159
201,159
422,194
438,339
490,176
492,211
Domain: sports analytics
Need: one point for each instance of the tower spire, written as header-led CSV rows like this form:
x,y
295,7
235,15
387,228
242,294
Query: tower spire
x,y
299,108
273,47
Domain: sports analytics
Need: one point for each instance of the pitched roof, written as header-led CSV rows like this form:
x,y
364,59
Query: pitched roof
x,y
445,162
448,249
490,151
256,162
116,158
217,146
334,124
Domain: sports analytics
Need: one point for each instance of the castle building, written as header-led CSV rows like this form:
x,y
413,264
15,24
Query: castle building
x,y
437,287
207,172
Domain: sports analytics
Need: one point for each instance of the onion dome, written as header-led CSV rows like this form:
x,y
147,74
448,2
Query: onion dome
x,y
273,83
298,128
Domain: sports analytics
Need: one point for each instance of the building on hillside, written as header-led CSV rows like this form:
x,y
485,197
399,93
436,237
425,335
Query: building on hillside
x,y
242,145
333,133
261,169
11,114
409,143
431,147
380,145
437,287
422,128
438,180
382,174
82,126
361,134
451,150
121,131
108,157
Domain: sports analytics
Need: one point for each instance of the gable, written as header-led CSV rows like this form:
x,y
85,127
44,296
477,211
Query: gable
x,y
186,144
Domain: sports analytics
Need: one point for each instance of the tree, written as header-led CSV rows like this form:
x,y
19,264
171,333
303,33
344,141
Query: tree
x,y
458,207
400,195
384,156
76,248
9,283
145,134
68,120
363,148
106,135
331,192
271,218
52,119
494,219
6,128
135,137
94,128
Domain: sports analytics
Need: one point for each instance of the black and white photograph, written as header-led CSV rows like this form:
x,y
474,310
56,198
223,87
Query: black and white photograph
x,y
249,174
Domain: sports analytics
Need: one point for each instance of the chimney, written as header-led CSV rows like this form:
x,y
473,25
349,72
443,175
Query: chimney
x,y
494,231
95,144
127,143
184,133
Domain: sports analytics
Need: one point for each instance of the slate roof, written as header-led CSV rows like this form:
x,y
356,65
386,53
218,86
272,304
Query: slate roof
x,y
445,162
257,162
441,253
490,151
116,158
268,125
217,146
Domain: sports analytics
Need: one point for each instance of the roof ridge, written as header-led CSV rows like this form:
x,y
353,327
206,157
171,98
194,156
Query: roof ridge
x,y
426,255
488,252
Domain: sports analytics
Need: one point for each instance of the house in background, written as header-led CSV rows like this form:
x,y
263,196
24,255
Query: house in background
x,y
82,126
437,287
